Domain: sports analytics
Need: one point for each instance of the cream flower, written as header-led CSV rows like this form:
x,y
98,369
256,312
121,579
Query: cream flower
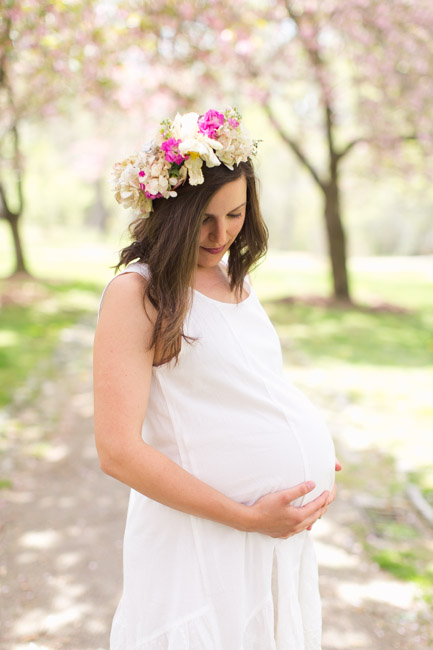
x,y
195,174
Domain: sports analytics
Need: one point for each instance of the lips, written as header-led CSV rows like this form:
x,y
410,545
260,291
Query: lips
x,y
213,251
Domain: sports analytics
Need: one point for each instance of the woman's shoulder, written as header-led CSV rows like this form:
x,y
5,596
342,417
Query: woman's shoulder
x,y
126,318
126,289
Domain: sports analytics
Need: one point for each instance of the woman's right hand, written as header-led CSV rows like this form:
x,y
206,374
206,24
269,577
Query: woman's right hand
x,y
274,514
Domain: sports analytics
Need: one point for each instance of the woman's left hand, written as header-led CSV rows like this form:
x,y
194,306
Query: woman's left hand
x,y
333,492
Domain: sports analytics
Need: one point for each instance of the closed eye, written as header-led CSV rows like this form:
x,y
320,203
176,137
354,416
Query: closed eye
x,y
232,216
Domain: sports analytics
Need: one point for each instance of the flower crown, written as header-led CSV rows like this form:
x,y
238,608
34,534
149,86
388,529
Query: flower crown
x,y
177,154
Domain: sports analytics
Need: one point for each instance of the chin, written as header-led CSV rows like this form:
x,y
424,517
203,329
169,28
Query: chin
x,y
208,264
208,260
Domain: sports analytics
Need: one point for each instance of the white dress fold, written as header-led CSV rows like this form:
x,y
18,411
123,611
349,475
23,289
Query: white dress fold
x,y
227,414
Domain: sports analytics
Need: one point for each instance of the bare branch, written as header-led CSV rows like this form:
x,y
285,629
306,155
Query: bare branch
x,y
350,145
318,67
294,146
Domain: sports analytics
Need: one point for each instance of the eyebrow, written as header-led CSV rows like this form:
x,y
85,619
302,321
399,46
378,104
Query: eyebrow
x,y
208,214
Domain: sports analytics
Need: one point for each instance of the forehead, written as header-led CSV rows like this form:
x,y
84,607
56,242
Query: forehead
x,y
228,197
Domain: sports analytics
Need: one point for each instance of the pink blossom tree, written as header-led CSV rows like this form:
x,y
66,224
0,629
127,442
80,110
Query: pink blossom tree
x,y
51,53
343,73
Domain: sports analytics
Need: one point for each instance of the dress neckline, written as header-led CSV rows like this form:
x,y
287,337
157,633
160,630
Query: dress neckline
x,y
223,302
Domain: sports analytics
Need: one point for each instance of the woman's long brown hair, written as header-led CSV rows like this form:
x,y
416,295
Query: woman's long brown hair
x,y
168,242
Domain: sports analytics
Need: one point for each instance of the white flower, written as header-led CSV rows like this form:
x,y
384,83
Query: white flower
x,y
202,146
185,126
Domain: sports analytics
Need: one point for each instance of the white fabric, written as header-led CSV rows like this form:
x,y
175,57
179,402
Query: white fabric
x,y
228,415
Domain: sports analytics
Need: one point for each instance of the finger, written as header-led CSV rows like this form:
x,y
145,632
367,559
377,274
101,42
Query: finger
x,y
338,466
315,505
309,521
299,490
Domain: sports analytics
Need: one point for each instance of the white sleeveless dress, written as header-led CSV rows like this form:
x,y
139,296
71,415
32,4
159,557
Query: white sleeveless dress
x,y
227,414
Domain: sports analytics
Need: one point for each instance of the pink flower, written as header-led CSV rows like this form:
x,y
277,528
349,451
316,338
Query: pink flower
x,y
153,196
210,122
141,173
234,123
172,154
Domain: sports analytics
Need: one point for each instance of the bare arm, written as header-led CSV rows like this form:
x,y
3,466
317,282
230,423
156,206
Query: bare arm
x,y
122,376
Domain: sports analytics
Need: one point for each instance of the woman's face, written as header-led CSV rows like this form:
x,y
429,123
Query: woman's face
x,y
222,222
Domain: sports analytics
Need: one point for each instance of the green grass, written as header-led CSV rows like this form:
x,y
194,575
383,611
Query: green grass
x,y
70,267
354,336
29,332
396,530
407,565
399,563
362,336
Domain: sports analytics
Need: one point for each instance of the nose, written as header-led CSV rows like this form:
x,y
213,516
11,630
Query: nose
x,y
218,233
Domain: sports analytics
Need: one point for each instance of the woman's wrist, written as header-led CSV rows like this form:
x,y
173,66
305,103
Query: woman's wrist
x,y
246,519
233,514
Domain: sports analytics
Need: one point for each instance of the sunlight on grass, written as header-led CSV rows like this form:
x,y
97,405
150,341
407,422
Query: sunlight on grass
x,y
30,331
7,338
406,565
73,254
407,282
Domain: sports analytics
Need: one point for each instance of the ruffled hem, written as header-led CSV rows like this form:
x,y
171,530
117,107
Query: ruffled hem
x,y
198,633
259,631
192,633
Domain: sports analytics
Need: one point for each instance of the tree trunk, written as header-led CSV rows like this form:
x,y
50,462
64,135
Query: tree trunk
x,y
331,192
97,214
336,239
20,264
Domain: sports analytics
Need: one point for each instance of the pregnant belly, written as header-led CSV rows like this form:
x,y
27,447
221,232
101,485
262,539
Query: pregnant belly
x,y
318,449
268,452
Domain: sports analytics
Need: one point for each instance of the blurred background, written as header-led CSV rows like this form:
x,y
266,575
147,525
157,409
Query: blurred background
x,y
341,96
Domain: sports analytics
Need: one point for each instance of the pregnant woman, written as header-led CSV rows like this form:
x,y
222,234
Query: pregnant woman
x,y
229,464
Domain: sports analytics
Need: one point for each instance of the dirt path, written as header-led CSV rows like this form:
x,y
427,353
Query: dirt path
x,y
62,526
